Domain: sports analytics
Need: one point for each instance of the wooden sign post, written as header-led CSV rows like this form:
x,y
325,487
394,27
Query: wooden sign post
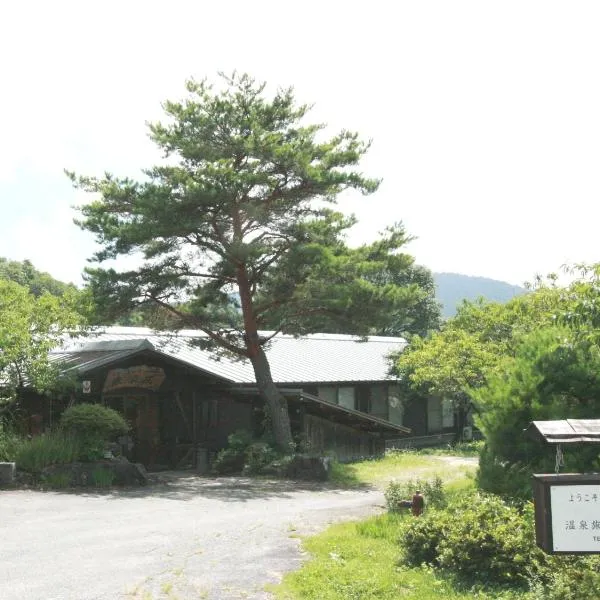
x,y
567,505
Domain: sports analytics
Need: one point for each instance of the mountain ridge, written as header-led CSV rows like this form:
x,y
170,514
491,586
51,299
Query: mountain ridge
x,y
452,288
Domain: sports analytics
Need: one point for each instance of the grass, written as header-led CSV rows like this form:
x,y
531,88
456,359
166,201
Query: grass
x,y
103,478
397,465
44,450
10,443
360,560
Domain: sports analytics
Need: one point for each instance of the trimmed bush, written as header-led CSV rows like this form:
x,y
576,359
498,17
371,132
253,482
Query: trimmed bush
x,y
93,421
93,425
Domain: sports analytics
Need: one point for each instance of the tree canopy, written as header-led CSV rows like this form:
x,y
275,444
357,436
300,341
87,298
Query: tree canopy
x,y
29,328
231,218
37,282
534,358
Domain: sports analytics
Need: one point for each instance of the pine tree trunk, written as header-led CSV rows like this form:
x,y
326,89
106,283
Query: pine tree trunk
x,y
277,404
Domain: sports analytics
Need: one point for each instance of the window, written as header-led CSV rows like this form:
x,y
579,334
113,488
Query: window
x,y
343,395
396,406
328,393
378,402
434,415
447,414
346,397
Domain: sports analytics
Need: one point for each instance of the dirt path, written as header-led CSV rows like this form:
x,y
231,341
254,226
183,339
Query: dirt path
x,y
185,538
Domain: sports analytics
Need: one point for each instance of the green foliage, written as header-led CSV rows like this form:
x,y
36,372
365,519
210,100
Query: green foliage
x,y
511,481
244,174
553,375
360,561
93,421
231,460
29,328
239,440
103,478
568,578
475,343
478,538
45,450
490,541
93,425
9,443
36,282
228,462
57,481
398,492
420,538
333,283
258,456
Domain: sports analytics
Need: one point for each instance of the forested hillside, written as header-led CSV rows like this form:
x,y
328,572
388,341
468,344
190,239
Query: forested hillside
x,y
452,288
25,274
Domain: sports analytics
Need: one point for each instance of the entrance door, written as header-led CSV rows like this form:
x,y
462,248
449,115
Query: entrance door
x,y
141,412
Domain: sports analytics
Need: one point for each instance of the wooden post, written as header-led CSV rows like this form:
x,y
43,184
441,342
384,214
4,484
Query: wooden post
x,y
195,428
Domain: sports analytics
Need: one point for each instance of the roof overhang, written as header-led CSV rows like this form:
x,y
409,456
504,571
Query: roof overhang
x,y
340,414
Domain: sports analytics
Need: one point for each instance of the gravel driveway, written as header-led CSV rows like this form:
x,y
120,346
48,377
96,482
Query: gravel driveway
x,y
181,539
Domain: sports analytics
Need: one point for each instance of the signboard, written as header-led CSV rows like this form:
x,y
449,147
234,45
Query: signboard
x,y
575,518
86,386
139,377
567,513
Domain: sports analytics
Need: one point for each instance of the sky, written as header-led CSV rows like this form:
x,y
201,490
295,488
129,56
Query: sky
x,y
484,116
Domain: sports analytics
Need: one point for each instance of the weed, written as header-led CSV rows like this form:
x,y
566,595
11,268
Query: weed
x,y
103,478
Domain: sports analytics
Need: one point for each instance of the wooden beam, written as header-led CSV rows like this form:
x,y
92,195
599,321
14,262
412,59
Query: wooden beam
x,y
185,419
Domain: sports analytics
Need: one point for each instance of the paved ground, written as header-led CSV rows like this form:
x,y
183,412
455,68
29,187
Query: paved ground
x,y
186,538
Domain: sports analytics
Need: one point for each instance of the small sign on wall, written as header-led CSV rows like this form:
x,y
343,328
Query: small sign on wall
x,y
86,386
567,513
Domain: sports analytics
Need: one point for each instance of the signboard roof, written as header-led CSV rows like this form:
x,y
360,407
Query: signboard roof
x,y
568,431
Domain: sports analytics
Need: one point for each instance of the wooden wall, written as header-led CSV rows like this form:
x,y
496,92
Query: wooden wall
x,y
347,443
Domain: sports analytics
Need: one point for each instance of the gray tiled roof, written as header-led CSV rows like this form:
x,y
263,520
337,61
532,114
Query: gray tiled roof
x,y
317,358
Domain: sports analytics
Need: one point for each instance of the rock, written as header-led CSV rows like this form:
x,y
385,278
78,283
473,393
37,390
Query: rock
x,y
104,473
311,468
7,473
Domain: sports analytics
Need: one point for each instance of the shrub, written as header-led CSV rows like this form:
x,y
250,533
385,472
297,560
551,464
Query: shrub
x,y
9,444
239,440
569,578
45,450
228,462
397,492
57,481
421,537
257,456
231,460
479,538
93,421
93,425
103,478
509,481
489,540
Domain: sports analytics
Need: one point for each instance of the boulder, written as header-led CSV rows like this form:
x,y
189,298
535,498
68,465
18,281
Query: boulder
x,y
310,468
7,473
103,473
